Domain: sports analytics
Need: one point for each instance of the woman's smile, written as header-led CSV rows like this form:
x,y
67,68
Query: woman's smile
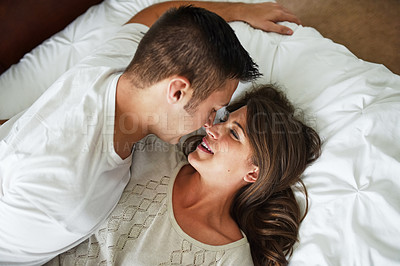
x,y
203,146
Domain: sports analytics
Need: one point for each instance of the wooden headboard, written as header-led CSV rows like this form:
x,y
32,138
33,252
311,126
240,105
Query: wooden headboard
x,y
27,23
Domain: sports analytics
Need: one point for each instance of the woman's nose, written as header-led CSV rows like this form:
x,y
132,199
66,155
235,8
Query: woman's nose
x,y
212,132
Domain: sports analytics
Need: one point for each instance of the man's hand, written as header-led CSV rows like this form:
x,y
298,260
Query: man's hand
x,y
262,16
265,16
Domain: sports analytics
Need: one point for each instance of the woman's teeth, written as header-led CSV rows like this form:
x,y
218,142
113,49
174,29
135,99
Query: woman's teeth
x,y
206,147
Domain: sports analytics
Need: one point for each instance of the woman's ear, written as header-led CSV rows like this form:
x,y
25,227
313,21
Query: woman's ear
x,y
178,88
251,176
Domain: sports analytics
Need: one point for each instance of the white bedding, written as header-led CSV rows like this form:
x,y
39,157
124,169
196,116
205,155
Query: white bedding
x,y
354,188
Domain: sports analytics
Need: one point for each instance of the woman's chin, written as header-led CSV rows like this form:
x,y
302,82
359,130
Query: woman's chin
x,y
192,157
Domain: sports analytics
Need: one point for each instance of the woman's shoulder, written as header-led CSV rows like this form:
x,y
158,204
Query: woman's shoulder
x,y
239,255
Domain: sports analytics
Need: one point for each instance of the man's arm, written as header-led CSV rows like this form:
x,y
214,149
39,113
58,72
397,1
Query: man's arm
x,y
262,16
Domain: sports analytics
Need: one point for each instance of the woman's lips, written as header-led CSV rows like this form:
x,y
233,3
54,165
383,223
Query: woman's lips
x,y
203,146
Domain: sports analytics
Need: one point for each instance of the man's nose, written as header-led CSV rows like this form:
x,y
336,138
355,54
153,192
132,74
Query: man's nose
x,y
210,120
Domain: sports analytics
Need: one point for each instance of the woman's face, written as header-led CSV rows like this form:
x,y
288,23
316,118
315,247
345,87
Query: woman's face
x,y
225,152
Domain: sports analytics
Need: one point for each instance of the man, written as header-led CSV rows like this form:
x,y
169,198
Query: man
x,y
65,162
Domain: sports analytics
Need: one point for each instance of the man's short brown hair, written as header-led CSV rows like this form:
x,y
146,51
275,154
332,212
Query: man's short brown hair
x,y
195,43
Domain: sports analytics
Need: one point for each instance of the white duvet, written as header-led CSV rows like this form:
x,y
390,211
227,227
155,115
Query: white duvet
x,y
354,188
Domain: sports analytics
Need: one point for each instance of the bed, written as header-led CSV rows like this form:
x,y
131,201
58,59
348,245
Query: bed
x,y
354,187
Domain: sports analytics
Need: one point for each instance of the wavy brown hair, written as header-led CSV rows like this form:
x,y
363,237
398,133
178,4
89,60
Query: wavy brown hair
x,y
282,148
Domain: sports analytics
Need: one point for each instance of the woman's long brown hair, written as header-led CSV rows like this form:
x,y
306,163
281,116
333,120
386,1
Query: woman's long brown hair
x,y
283,147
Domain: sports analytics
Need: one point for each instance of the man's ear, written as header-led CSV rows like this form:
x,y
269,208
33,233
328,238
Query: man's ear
x,y
251,176
178,88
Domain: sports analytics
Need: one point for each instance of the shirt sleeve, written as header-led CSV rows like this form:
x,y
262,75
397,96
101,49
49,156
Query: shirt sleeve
x,y
30,235
118,51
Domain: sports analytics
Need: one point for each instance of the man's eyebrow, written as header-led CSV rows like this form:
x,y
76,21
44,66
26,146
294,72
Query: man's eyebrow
x,y
239,125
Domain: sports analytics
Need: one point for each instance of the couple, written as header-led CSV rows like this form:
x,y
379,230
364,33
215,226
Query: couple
x,y
222,199
65,162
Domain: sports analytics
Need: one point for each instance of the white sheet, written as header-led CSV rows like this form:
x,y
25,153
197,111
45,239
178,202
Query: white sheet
x,y
354,187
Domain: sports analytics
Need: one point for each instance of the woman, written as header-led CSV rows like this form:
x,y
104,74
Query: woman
x,y
232,204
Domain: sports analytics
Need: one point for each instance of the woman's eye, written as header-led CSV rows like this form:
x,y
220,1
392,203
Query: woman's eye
x,y
234,134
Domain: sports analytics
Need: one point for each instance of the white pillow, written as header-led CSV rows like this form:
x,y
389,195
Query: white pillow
x,y
355,106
